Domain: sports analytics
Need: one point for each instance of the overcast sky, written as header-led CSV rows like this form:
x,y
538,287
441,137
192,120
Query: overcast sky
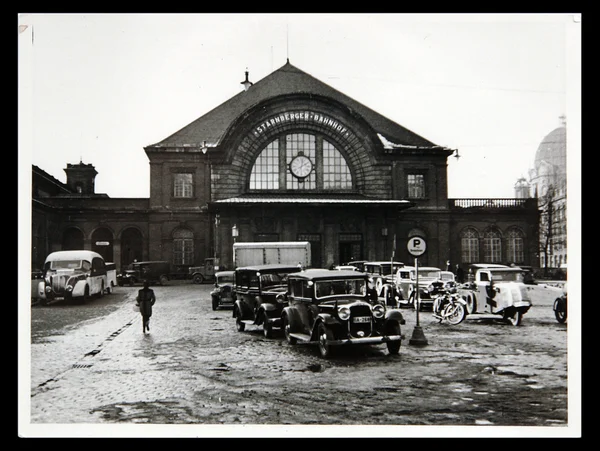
x,y
98,88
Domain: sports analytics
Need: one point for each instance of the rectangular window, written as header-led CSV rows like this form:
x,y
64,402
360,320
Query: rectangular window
x,y
470,250
491,250
183,251
416,186
515,250
183,185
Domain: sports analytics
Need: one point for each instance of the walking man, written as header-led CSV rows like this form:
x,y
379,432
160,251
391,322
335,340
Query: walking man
x,y
145,300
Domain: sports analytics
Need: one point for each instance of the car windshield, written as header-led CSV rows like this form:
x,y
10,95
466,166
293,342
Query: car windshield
x,y
67,264
447,276
507,276
225,279
386,271
340,287
430,273
272,279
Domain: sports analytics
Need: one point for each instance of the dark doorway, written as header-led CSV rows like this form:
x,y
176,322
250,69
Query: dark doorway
x,y
131,247
350,247
102,242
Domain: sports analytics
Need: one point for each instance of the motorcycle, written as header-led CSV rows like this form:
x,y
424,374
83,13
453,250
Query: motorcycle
x,y
560,306
448,306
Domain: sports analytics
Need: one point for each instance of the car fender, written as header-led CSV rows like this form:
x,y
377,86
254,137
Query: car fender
x,y
79,288
394,315
293,318
268,307
41,289
326,318
242,308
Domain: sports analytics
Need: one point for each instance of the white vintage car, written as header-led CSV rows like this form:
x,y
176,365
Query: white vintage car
x,y
496,290
405,282
73,275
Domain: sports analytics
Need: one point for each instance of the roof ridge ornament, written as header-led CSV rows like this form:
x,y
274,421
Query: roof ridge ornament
x,y
247,83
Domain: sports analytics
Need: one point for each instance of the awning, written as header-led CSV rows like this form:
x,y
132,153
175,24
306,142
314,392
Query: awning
x,y
312,200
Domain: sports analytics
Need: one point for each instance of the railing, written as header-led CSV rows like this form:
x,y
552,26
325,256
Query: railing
x,y
492,203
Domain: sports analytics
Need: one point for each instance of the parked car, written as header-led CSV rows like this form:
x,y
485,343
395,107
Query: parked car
x,y
222,295
345,268
73,275
111,277
153,271
201,274
358,264
381,274
405,284
332,308
496,290
255,289
36,278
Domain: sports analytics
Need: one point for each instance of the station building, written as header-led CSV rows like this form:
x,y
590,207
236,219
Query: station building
x,y
288,158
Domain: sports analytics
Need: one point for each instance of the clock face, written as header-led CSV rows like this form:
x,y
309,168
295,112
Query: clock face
x,y
301,166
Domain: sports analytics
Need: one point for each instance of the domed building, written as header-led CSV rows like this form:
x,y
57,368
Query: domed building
x,y
548,180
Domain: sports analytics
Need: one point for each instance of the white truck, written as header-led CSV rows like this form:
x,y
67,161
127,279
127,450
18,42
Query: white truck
x,y
275,252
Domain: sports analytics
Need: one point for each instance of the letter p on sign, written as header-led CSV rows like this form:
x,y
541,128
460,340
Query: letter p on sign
x,y
416,246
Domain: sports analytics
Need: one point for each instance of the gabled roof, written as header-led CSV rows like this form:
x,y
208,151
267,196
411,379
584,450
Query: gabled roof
x,y
286,80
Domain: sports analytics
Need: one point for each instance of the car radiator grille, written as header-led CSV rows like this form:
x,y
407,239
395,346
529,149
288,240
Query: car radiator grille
x,y
59,283
358,330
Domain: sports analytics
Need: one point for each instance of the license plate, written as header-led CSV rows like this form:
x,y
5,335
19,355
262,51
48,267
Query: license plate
x,y
361,319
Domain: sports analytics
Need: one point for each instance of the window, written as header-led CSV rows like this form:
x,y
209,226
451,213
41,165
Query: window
x,y
492,245
183,247
416,186
265,173
469,243
514,246
183,185
326,169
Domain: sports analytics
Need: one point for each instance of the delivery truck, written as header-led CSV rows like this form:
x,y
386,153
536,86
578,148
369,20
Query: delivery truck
x,y
275,252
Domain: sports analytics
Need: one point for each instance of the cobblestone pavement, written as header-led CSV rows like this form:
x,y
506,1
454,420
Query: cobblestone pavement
x,y
194,374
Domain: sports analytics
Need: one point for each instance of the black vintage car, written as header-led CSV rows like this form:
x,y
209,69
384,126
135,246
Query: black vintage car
x,y
153,271
256,301
222,295
332,308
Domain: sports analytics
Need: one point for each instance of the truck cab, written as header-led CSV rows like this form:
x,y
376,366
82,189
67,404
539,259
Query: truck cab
x,y
201,274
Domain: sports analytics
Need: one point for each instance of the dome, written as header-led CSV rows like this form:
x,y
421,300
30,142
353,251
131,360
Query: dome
x,y
553,150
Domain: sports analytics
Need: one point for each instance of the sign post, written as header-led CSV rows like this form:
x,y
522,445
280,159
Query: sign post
x,y
416,247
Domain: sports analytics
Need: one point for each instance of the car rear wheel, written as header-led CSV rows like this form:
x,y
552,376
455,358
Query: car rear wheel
x,y
164,280
515,319
325,335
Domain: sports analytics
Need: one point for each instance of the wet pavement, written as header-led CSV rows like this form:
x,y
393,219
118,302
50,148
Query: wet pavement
x,y
193,374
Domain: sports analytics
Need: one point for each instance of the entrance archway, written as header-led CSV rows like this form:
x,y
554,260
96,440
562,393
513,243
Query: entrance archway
x,y
102,242
131,246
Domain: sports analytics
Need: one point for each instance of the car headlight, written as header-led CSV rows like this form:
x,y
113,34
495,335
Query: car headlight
x,y
430,287
378,311
344,313
48,289
69,288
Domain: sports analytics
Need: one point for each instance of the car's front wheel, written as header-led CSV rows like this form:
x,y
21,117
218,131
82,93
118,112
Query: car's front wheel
x,y
198,278
514,319
325,336
215,302
393,328
287,330
267,326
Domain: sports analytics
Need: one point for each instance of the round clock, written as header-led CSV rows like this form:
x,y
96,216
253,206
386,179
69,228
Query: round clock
x,y
301,166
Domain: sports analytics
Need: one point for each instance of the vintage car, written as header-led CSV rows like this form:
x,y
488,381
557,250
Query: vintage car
x,y
255,289
152,271
331,308
381,274
430,280
496,290
345,268
111,277
36,278
201,274
358,264
222,294
73,275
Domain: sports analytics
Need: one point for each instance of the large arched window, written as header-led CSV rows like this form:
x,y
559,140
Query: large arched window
x,y
469,243
514,246
183,247
492,246
300,161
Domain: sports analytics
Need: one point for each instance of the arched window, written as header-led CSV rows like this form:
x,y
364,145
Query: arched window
x,y
514,246
300,161
469,245
492,246
183,247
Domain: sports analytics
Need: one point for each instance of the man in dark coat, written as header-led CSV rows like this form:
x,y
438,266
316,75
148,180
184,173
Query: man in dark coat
x,y
460,274
146,299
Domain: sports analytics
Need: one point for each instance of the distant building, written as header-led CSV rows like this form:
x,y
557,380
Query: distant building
x,y
288,158
548,179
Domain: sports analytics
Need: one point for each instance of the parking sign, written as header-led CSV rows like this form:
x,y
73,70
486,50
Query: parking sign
x,y
416,246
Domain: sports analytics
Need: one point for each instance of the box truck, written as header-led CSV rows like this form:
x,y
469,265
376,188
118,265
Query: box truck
x,y
275,252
